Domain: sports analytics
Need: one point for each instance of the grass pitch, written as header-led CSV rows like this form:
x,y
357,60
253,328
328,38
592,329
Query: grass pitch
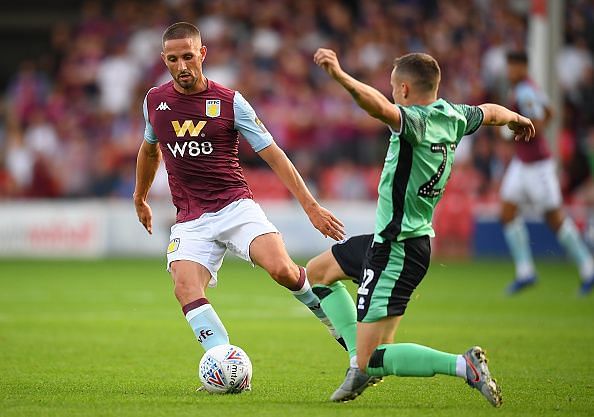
x,y
107,338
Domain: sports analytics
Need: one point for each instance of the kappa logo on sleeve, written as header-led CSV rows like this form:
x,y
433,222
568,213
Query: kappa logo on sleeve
x,y
173,245
260,125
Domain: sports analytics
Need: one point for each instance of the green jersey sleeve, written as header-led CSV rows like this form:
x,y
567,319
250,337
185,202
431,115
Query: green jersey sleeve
x,y
413,125
474,117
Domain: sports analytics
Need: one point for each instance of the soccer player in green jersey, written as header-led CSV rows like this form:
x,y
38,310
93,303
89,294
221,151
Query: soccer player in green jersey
x,y
393,261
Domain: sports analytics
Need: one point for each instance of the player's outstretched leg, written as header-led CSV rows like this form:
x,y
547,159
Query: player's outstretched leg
x,y
479,377
409,359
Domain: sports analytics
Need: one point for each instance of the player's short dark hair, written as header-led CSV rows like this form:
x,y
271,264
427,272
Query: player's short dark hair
x,y
519,57
181,30
421,68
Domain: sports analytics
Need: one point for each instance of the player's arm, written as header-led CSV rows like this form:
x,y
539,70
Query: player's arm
x,y
496,115
367,97
322,219
147,163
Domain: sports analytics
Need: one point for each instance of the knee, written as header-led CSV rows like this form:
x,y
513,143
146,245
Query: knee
x,y
318,272
184,289
284,273
315,273
186,286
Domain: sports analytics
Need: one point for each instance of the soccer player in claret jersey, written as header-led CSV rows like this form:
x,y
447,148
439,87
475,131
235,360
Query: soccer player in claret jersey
x,y
531,178
393,261
193,124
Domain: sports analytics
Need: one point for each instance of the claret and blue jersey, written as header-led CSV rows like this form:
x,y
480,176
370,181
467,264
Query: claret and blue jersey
x,y
199,139
531,102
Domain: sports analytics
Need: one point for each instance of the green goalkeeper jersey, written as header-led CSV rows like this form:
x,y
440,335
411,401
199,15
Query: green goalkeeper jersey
x,y
418,166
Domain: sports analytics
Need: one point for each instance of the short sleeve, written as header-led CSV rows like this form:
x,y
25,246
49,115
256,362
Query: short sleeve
x,y
248,124
394,132
413,125
149,133
474,117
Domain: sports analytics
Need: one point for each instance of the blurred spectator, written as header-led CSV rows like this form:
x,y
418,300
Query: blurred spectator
x,y
19,160
40,135
482,160
26,92
573,64
117,77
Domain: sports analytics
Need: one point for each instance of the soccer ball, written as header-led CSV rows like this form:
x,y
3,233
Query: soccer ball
x,y
225,369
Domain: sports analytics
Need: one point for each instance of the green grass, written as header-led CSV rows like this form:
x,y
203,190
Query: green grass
x,y
107,338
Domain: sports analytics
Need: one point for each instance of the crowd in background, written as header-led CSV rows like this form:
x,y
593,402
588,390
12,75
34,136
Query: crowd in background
x,y
72,119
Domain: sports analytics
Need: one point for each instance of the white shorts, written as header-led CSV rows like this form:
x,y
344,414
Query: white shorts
x,y
206,239
533,183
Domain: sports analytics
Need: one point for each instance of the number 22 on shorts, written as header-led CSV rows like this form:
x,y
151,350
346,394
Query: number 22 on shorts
x,y
368,275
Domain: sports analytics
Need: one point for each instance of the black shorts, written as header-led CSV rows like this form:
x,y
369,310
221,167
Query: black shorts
x,y
388,272
350,255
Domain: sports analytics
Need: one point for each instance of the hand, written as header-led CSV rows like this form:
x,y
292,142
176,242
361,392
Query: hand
x,y
327,59
145,215
326,223
522,128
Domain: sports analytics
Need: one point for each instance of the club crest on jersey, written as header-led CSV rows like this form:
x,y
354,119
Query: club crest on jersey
x,y
173,245
213,108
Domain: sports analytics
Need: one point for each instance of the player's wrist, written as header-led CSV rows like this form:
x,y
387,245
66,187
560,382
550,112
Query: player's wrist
x,y
311,206
138,198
